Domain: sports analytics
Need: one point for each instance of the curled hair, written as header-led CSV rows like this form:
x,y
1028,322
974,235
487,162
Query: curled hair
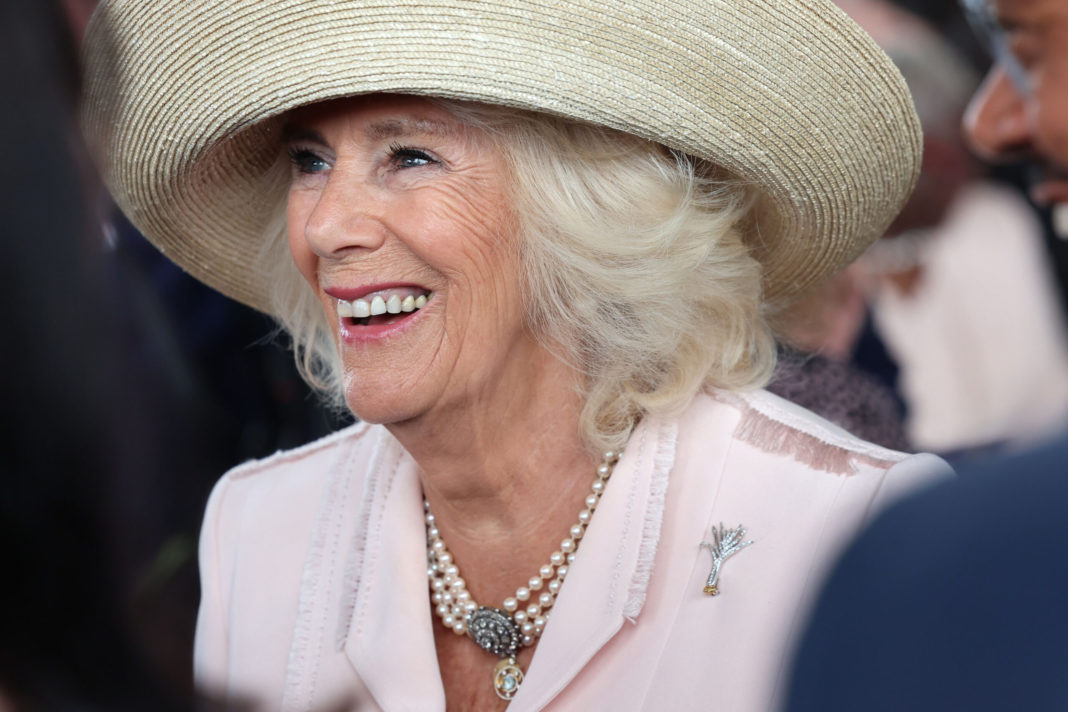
x,y
634,270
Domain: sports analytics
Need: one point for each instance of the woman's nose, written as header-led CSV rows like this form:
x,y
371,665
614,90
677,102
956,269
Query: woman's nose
x,y
346,218
997,123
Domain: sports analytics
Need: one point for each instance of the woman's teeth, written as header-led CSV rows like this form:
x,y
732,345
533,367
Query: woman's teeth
x,y
377,305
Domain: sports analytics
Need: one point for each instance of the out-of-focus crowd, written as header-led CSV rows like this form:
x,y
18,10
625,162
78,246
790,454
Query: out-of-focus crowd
x,y
948,335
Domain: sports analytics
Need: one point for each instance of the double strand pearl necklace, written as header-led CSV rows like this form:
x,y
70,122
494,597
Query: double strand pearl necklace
x,y
521,618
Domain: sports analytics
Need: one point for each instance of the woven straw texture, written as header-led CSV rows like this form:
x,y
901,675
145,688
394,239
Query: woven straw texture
x,y
183,98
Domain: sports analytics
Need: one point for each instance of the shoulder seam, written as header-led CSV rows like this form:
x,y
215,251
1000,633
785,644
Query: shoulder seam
x,y
252,467
818,427
806,437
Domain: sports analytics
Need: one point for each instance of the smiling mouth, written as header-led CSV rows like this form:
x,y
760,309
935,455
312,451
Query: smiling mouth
x,y
384,307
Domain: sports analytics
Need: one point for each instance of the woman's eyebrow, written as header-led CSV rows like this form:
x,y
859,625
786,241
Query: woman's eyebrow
x,y
292,133
393,128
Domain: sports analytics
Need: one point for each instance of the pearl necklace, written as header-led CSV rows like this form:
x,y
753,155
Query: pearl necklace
x,y
503,630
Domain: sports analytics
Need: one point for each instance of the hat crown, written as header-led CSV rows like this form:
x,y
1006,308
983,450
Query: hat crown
x,y
788,94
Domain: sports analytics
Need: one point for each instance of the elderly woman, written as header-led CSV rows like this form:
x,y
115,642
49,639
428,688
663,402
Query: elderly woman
x,y
534,246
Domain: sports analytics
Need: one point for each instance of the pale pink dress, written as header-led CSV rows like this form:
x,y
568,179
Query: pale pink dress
x,y
314,568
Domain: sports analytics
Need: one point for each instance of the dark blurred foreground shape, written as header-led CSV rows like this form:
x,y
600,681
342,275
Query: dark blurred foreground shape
x,y
64,643
127,390
952,600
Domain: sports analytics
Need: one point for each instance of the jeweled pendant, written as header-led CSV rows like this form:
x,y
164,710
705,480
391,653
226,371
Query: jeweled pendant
x,y
495,631
507,677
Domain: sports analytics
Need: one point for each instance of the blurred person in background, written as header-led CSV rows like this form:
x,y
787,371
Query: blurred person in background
x,y
544,293
954,598
67,641
961,288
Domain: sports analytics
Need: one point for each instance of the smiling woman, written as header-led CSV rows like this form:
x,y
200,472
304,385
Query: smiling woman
x,y
391,200
540,273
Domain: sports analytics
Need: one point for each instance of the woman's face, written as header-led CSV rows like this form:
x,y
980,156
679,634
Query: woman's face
x,y
394,206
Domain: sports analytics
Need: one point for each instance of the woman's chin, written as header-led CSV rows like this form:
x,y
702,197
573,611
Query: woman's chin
x,y
381,410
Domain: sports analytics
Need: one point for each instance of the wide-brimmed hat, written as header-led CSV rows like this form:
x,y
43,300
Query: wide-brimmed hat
x,y
183,99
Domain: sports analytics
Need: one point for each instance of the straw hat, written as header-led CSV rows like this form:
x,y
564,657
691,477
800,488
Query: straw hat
x,y
183,98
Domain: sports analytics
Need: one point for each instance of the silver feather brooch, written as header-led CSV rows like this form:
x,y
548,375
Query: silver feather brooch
x,y
725,543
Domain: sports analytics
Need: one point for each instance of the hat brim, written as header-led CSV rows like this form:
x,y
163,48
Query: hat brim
x,y
183,98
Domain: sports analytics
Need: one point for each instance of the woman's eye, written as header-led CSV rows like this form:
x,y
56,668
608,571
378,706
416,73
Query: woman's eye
x,y
409,157
305,161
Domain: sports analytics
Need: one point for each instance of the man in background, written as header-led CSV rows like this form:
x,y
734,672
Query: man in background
x,y
954,599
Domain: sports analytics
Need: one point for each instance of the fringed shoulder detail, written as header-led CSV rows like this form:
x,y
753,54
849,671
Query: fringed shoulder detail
x,y
663,461
779,427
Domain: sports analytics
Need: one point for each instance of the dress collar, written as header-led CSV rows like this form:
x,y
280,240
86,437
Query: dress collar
x,y
388,637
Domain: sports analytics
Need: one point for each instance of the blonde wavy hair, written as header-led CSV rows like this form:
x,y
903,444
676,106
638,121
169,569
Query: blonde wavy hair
x,y
635,270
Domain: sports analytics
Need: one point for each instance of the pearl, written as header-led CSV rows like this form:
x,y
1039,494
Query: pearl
x,y
570,558
437,584
577,530
561,572
546,572
452,570
462,595
528,640
449,620
510,604
459,627
444,558
584,516
545,600
591,501
458,583
567,545
438,546
604,471
429,517
611,456
554,586
527,628
557,558
446,597
442,609
519,617
522,593
470,606
598,486
534,583
436,597
533,610
540,623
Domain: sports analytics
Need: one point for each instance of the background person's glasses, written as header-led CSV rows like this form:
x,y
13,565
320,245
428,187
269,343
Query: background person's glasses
x,y
984,23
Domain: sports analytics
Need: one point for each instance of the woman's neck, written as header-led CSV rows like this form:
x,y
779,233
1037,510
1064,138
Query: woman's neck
x,y
505,476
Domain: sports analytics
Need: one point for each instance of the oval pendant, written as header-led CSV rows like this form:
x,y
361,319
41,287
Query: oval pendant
x,y
494,630
507,677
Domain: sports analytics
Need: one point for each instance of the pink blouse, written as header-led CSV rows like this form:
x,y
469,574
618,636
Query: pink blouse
x,y
313,566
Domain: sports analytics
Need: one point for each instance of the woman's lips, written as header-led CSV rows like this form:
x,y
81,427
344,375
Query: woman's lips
x,y
367,291
377,312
